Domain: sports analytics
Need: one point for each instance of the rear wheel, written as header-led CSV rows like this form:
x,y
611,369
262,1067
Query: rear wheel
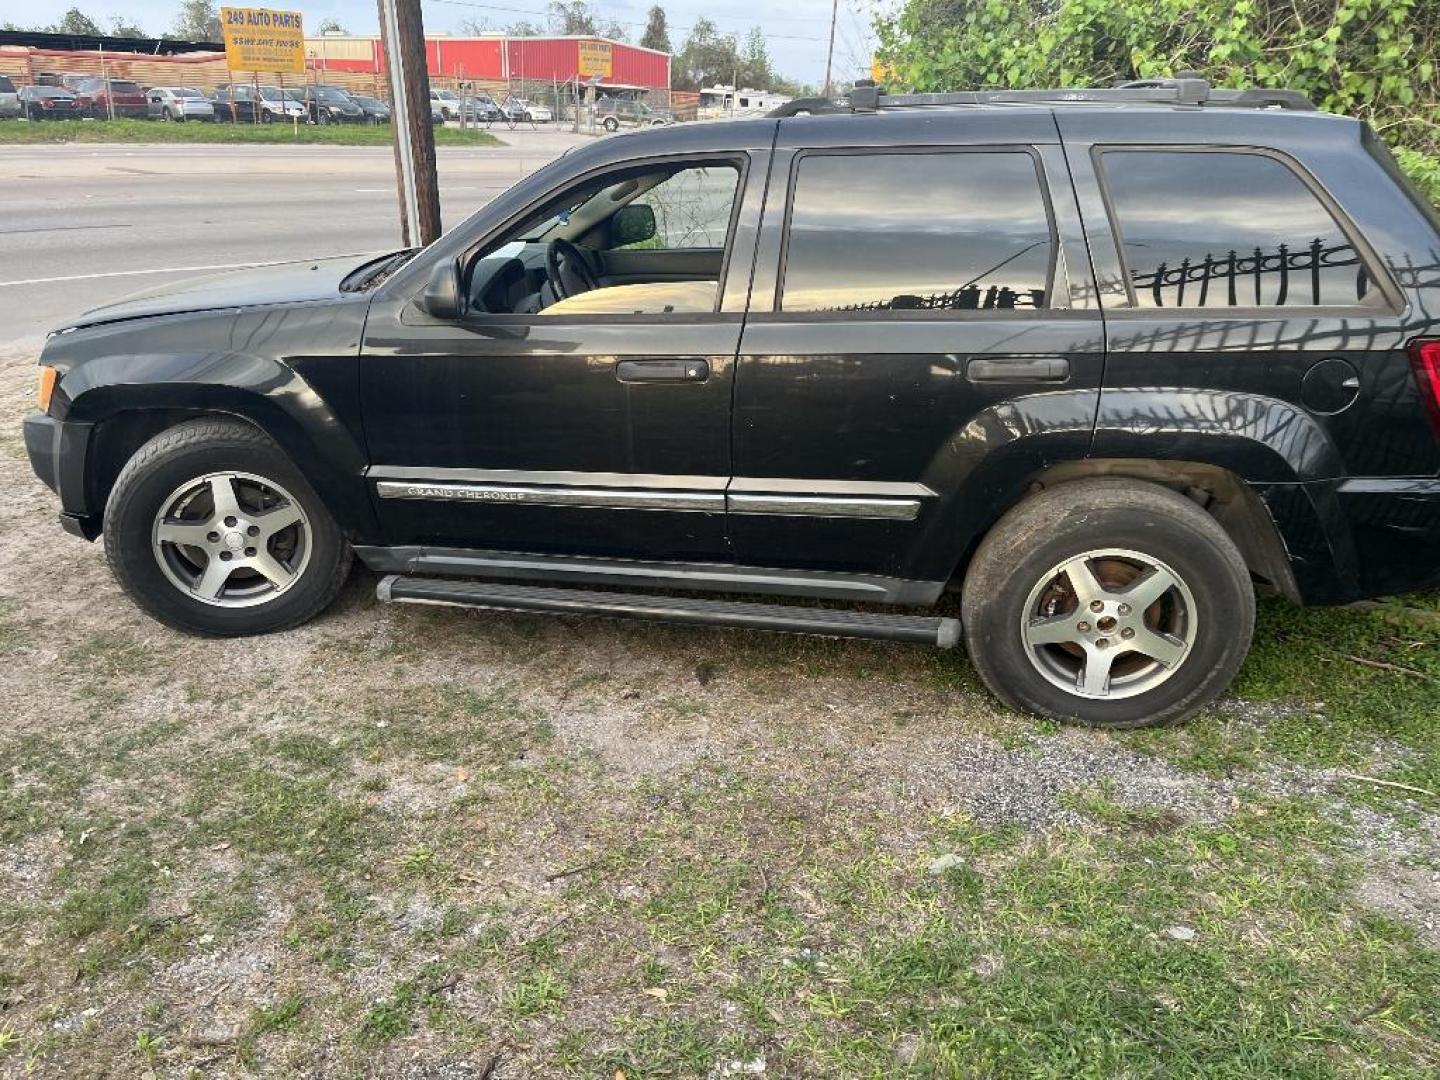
x,y
212,530
611,124
1110,602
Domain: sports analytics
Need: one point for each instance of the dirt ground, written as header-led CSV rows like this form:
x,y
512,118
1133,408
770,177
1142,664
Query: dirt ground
x,y
430,843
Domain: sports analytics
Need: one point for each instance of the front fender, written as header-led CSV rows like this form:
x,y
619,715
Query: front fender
x,y
292,371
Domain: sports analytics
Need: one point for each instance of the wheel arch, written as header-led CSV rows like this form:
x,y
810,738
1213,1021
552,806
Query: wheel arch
x,y
126,417
1222,493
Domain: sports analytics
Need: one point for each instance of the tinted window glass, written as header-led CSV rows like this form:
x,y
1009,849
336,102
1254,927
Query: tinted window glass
x,y
917,231
1219,230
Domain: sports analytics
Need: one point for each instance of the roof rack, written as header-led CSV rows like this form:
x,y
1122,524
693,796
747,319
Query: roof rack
x,y
1186,88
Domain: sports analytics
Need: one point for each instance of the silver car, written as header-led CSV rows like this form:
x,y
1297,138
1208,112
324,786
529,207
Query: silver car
x,y
9,99
178,103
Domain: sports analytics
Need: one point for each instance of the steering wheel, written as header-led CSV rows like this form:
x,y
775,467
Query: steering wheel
x,y
561,258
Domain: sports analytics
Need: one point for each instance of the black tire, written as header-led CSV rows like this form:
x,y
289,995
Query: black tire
x,y
1086,516
195,449
611,124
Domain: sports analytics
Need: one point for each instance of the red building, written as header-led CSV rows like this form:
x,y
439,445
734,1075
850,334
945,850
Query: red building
x,y
541,59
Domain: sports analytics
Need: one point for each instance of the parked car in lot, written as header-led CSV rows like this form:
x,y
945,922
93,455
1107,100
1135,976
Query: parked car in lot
x,y
376,111
613,113
100,99
178,103
238,107
331,105
520,110
9,99
481,108
446,101
48,103
269,102
477,108
1094,362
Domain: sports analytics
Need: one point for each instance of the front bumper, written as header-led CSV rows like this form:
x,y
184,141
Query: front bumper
x,y
58,451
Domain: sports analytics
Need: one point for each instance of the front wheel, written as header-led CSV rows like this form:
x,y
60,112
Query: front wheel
x,y
212,530
1108,602
611,124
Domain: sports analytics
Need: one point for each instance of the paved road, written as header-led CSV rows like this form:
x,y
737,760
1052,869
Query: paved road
x,y
84,225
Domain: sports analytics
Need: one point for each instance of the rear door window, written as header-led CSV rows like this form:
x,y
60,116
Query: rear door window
x,y
953,231
1229,229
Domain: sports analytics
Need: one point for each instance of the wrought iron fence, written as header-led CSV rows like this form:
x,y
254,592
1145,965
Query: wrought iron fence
x,y
1295,274
968,298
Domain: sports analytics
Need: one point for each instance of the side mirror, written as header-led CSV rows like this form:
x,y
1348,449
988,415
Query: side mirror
x,y
632,224
442,297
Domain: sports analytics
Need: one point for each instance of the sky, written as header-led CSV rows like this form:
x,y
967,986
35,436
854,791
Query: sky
x,y
798,37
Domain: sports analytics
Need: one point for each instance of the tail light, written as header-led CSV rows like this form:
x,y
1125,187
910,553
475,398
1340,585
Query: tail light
x,y
1425,362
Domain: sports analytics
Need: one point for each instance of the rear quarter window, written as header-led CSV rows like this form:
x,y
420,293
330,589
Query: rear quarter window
x,y
1229,229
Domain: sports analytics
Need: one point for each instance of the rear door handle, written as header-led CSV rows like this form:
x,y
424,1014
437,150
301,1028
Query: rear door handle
x,y
662,370
1018,369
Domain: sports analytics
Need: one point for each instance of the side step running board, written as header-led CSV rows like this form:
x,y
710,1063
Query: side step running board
x,y
780,618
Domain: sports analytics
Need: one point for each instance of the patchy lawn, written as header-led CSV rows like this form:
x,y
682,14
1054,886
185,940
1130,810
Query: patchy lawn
x,y
195,131
431,843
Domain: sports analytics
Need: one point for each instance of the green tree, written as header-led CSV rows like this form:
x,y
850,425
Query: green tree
x,y
708,57
122,27
657,30
331,26
755,70
197,20
76,21
578,18
1375,59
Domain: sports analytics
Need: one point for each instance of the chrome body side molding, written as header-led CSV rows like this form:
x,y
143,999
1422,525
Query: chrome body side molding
x,y
600,498
824,506
788,497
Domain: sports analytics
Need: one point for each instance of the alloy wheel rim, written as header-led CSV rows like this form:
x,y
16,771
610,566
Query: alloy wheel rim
x,y
1109,624
231,539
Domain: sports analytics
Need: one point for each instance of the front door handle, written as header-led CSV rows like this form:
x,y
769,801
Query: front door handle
x,y
630,371
1018,369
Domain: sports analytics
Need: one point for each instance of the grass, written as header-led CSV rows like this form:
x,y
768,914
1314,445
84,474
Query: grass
x,y
410,852
1356,689
150,131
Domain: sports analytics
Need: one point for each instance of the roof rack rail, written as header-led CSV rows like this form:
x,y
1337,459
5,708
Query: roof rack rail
x,y
1186,88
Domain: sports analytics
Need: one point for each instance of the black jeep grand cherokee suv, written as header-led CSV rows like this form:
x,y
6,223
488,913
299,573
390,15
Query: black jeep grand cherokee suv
x,y
1099,360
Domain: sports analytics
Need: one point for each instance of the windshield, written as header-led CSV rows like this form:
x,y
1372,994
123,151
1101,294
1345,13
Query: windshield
x,y
118,87
295,95
52,92
273,93
187,92
332,96
444,95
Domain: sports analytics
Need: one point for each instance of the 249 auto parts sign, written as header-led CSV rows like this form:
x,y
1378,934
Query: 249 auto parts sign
x,y
262,39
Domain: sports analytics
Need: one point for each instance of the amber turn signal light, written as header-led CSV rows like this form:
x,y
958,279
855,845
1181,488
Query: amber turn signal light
x,y
46,390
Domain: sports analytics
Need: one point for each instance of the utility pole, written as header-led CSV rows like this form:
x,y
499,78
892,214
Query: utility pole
x,y
402,36
830,52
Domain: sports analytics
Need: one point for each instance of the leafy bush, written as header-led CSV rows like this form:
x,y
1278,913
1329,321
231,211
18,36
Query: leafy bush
x,y
1375,59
